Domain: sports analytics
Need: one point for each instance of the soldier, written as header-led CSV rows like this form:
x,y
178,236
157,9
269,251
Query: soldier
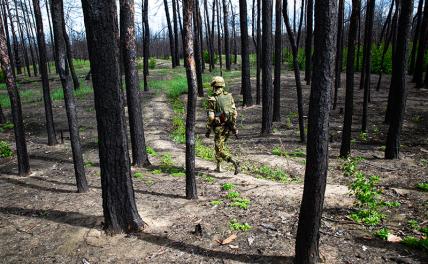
x,y
222,120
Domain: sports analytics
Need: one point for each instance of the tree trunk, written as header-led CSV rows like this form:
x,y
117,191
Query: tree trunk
x,y
120,210
259,52
188,13
219,48
398,81
76,83
245,57
64,74
365,79
146,42
294,50
345,148
307,240
277,70
235,48
175,23
127,40
197,49
385,50
15,104
209,37
267,107
308,41
9,47
15,41
2,116
30,38
416,37
21,34
419,68
226,34
171,35
51,35
339,50
45,78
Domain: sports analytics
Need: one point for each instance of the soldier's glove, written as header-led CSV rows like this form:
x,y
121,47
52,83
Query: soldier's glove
x,y
207,134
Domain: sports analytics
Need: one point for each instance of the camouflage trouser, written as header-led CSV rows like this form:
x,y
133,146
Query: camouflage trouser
x,y
221,136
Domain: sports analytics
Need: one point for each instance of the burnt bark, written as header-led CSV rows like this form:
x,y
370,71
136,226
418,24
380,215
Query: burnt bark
x,y
51,35
2,116
175,25
76,83
339,50
219,47
146,43
21,34
308,40
16,109
9,47
235,48
170,34
345,148
267,98
15,41
64,74
191,192
416,37
50,127
422,44
30,37
119,208
197,49
209,37
307,240
129,52
245,56
259,52
398,81
277,62
226,34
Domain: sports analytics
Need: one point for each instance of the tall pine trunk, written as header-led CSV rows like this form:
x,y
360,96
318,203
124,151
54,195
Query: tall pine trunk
x,y
307,241
191,192
267,107
308,41
30,37
197,49
226,34
64,74
277,70
416,37
9,47
119,208
422,44
345,148
176,38
170,34
76,83
339,51
15,41
16,109
219,47
245,56
146,43
259,52
398,81
129,52
23,45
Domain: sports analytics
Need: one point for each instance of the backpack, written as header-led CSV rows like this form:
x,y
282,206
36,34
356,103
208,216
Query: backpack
x,y
224,107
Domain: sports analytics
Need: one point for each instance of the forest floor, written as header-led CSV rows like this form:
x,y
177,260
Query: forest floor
x,y
43,219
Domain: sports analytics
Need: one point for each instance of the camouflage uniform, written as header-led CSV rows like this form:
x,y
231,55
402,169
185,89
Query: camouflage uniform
x,y
221,125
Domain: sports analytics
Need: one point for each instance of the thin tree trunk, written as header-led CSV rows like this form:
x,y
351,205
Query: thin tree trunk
x,y
15,41
171,35
226,35
245,57
24,48
294,50
9,46
175,24
209,38
339,50
416,37
76,83
191,192
2,116
146,42
267,98
51,36
398,81
197,49
219,48
345,148
30,38
357,67
120,210
64,74
259,52
307,241
50,127
129,50
419,68
385,50
308,41
235,49
278,56
16,109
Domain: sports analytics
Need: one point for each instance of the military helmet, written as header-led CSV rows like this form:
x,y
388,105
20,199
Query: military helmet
x,y
217,81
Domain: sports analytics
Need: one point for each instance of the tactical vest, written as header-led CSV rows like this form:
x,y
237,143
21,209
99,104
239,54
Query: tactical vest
x,y
224,107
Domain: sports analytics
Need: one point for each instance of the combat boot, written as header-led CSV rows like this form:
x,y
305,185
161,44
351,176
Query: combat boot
x,y
237,167
218,169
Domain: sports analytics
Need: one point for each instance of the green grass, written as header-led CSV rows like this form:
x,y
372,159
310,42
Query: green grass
x,y
274,174
232,195
82,92
5,150
216,202
242,203
416,243
156,172
423,186
151,151
178,174
236,226
382,233
227,186
207,178
296,153
138,175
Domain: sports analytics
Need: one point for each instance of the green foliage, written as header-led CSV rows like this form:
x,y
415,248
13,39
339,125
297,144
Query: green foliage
x,y
274,174
202,151
138,175
216,202
178,174
236,226
88,163
2,77
173,87
368,217
416,243
156,172
365,190
382,233
58,93
166,160
413,224
6,126
289,58
206,56
207,178
296,153
81,64
363,136
232,195
423,186
227,186
242,203
27,96
151,151
152,63
350,166
5,150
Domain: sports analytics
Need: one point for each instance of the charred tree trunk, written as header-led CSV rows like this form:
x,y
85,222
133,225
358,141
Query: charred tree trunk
x,y
219,48
419,68
2,116
21,34
146,42
45,78
15,104
30,38
277,70
307,241
259,52
120,210
294,50
398,81
235,48
365,79
76,83
188,13
170,34
197,49
226,34
345,148
245,57
209,37
15,41
9,48
308,41
267,107
64,75
416,37
175,23
339,50
51,36
129,50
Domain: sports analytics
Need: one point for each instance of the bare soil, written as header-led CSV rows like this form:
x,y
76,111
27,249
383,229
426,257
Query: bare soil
x,y
43,219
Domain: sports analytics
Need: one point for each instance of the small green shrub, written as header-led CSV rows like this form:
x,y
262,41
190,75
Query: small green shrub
x,y
227,186
178,174
151,151
88,163
156,172
207,178
423,186
5,150
152,63
382,233
216,202
350,166
413,224
232,195
274,174
242,203
7,126
363,136
138,175
236,226
166,160
416,243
